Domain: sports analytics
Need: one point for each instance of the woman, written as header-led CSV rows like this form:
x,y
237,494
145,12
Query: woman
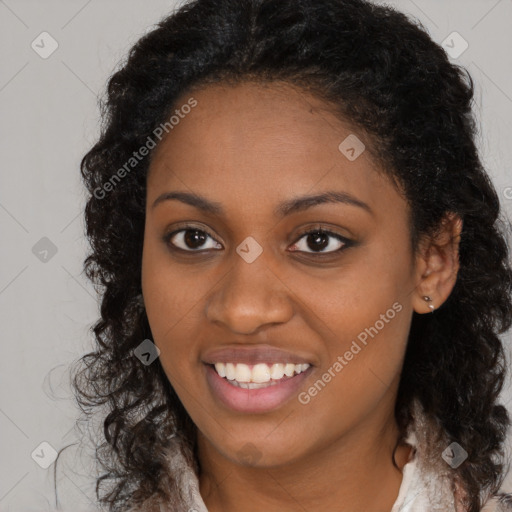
x,y
304,274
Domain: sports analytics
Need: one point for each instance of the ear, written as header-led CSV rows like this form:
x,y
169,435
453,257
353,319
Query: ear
x,y
437,265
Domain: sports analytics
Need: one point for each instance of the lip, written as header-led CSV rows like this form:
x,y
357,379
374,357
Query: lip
x,y
254,400
252,355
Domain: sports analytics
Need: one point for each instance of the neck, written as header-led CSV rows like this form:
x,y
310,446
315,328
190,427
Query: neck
x,y
337,477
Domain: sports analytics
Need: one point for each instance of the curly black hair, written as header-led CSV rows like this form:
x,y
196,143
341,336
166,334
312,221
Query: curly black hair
x,y
377,68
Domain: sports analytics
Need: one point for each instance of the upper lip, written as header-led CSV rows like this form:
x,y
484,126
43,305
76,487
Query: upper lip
x,y
253,354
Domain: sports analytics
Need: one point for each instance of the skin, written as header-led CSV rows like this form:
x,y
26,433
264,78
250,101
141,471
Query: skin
x,y
249,147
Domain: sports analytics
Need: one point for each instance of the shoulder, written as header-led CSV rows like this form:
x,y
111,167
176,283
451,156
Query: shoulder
x,y
432,479
178,483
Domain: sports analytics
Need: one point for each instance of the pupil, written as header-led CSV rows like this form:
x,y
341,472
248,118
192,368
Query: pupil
x,y
197,237
319,238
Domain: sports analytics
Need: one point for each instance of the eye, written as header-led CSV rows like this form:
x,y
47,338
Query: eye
x,y
190,239
320,241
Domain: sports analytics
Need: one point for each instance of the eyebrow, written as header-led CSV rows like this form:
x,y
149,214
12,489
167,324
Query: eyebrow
x,y
288,207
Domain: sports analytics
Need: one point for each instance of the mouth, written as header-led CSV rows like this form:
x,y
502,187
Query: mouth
x,y
255,388
258,376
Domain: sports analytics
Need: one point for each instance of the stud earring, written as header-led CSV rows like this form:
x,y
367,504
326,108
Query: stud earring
x,y
429,299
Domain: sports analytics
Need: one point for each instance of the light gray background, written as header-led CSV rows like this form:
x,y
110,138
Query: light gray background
x,y
49,119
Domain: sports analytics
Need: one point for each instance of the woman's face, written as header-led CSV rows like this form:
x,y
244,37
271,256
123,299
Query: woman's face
x,y
241,284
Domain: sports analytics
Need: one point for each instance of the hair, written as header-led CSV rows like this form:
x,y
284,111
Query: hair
x,y
376,68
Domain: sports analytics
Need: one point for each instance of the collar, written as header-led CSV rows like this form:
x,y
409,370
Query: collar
x,y
427,485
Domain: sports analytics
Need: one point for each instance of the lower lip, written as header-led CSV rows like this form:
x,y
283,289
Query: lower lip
x,y
254,400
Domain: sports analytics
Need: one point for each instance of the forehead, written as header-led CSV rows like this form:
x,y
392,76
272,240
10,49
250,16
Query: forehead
x,y
267,140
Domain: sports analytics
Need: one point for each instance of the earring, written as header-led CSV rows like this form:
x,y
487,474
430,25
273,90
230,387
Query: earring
x,y
429,299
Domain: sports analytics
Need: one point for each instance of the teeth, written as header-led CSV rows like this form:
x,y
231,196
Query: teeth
x,y
221,369
242,373
289,369
260,373
277,371
251,385
230,371
252,378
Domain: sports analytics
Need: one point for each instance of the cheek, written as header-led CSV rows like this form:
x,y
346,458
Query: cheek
x,y
352,298
173,307
170,289
172,318
367,299
360,368
367,314
365,334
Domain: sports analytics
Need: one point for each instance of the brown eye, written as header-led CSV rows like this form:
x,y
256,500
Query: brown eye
x,y
317,241
191,239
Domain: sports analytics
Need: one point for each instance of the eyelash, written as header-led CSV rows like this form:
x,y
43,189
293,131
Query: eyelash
x,y
315,230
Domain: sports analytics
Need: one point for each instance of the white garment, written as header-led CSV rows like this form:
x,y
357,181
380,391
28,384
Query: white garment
x,y
412,496
425,487
425,483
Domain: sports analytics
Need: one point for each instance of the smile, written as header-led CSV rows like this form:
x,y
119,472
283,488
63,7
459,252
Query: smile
x,y
259,375
255,388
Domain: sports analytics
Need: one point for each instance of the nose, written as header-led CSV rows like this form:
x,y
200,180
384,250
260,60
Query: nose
x,y
249,297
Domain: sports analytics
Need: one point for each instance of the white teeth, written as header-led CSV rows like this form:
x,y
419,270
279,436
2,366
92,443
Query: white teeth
x,y
277,371
242,373
221,369
259,375
230,371
251,385
289,369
